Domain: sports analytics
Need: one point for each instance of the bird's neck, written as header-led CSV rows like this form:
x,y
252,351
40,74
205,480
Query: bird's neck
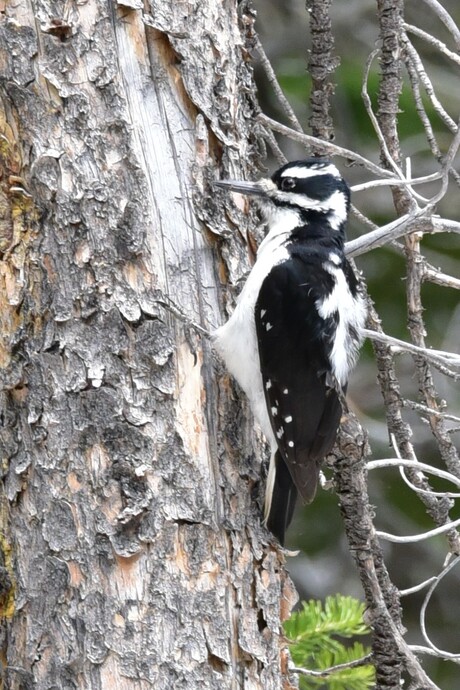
x,y
304,227
316,228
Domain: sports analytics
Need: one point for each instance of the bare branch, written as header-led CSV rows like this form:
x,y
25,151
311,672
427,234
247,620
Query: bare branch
x,y
445,225
425,120
446,19
401,432
430,491
412,539
447,358
440,652
432,41
439,278
426,81
381,236
277,90
329,148
368,105
325,673
428,410
396,182
416,588
270,138
411,222
419,649
432,141
362,218
414,464
428,392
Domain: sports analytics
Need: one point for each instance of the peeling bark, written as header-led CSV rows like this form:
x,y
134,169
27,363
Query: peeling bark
x,y
132,554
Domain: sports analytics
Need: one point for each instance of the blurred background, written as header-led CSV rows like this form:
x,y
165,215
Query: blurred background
x,y
324,565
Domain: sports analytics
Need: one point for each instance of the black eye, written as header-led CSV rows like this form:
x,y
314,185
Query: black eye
x,y
287,183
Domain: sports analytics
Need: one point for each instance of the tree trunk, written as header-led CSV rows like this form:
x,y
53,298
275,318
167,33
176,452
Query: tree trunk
x,y
132,552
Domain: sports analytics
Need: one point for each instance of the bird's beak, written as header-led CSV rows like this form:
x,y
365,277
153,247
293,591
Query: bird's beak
x,y
250,188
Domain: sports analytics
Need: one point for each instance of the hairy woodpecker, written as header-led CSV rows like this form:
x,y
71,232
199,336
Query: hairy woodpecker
x,y
295,332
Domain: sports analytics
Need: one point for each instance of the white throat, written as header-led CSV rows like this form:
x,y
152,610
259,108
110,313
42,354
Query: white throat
x,y
281,222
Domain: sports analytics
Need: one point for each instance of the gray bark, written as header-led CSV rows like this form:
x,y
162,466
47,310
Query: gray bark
x,y
132,551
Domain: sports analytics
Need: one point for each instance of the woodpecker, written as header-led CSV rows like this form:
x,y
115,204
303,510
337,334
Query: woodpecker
x,y
295,333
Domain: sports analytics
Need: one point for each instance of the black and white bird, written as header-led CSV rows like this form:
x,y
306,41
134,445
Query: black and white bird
x,y
295,332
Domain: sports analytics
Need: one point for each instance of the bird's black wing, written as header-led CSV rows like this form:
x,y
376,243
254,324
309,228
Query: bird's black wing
x,y
301,394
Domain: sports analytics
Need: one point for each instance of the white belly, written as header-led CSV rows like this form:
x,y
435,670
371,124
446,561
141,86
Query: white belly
x,y
236,340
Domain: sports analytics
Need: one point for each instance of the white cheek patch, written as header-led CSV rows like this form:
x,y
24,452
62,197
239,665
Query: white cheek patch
x,y
335,206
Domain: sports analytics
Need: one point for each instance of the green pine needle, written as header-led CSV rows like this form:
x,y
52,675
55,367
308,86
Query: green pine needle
x,y
315,634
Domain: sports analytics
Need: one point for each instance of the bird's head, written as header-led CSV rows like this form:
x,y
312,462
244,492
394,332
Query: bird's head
x,y
308,188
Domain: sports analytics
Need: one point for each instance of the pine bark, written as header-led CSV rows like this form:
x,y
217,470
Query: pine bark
x,y
132,554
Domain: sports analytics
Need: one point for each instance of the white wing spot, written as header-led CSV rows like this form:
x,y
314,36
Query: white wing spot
x,y
286,391
268,385
288,419
280,433
274,410
291,444
268,326
262,313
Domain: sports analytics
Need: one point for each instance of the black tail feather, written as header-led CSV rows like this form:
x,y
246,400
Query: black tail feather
x,y
283,500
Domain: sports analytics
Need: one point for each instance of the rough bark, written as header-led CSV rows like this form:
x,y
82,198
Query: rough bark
x,y
322,64
132,552
382,597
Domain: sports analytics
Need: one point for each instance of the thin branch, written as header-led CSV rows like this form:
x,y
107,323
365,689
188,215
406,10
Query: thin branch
x,y
440,652
384,235
426,492
419,649
416,325
421,111
432,41
439,278
396,182
363,661
445,225
401,432
327,146
277,90
447,161
428,410
413,538
428,86
399,228
455,376
414,464
270,138
368,105
356,213
446,19
166,302
416,588
447,358
432,141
